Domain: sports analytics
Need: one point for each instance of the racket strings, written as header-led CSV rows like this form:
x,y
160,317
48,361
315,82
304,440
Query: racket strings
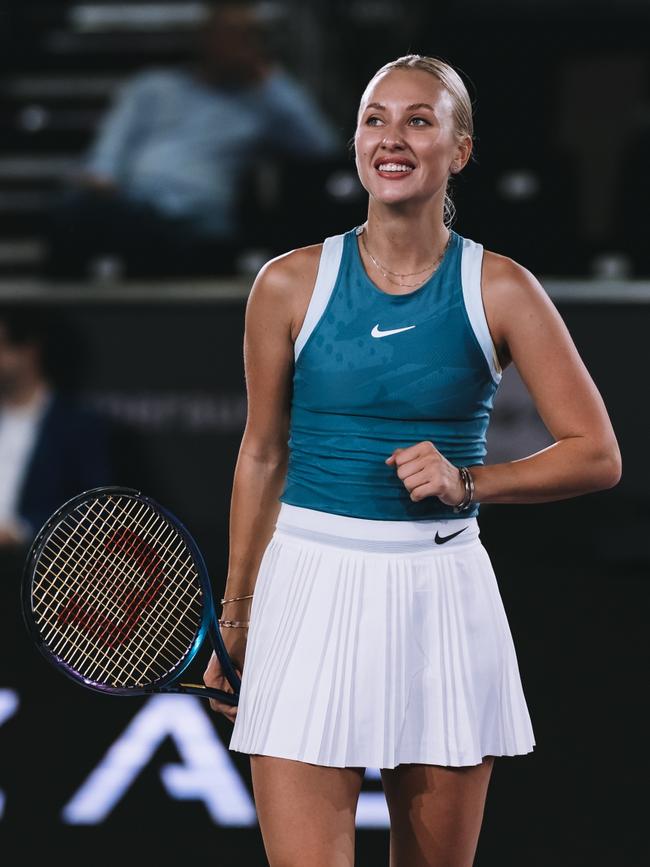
x,y
92,593
95,620
116,593
120,659
118,573
139,644
171,626
75,547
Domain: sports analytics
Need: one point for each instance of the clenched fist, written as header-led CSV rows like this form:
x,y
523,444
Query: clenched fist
x,y
427,473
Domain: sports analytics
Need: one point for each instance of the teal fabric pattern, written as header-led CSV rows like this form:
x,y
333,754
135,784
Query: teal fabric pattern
x,y
381,371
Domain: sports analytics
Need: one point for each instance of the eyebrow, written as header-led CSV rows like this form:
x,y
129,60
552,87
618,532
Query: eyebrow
x,y
411,107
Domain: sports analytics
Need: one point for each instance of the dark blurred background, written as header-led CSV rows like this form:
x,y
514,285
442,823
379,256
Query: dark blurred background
x,y
152,157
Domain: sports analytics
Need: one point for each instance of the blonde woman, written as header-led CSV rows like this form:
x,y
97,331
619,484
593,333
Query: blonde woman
x,y
360,604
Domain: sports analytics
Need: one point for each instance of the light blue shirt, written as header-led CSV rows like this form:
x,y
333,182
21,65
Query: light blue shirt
x,y
182,145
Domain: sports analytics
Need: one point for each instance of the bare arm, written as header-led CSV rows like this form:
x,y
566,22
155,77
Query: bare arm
x,y
586,456
261,465
118,130
528,330
272,314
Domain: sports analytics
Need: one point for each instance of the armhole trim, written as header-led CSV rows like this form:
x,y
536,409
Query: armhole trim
x,y
471,262
328,269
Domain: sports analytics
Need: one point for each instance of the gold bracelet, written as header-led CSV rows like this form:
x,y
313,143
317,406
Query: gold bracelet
x,y
233,622
236,598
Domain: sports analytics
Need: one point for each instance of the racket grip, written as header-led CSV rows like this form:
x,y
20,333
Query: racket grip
x,y
224,657
229,698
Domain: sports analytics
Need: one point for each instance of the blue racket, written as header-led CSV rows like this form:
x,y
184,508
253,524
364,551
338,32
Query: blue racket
x,y
116,595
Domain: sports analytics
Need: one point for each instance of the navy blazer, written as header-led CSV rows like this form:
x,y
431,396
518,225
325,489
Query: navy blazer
x,y
71,454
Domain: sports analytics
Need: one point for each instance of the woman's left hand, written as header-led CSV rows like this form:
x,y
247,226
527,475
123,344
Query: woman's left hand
x,y
427,473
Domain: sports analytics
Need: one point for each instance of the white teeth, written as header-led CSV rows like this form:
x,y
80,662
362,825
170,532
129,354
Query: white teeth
x,y
394,167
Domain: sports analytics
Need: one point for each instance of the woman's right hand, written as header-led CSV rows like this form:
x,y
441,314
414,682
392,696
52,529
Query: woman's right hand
x,y
213,675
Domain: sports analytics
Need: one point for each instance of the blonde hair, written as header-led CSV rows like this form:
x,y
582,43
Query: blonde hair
x,y
461,110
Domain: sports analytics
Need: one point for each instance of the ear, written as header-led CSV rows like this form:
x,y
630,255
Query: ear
x,y
462,154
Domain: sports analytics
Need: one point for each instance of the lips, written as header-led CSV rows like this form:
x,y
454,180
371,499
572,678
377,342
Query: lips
x,y
394,173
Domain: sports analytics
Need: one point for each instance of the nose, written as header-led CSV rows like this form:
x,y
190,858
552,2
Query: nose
x,y
392,140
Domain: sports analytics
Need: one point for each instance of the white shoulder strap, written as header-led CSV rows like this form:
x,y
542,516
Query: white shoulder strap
x,y
328,269
471,262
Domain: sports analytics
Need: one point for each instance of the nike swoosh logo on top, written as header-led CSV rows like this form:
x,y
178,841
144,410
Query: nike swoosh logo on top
x,y
377,333
440,540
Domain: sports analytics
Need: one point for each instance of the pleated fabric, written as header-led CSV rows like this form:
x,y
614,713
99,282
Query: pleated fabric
x,y
374,646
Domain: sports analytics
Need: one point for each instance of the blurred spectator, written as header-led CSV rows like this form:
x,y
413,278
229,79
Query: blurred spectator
x,y
50,448
159,189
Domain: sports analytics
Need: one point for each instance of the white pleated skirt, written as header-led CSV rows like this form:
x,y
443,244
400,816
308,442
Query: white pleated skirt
x,y
377,643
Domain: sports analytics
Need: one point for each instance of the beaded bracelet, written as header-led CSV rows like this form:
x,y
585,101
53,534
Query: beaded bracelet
x,y
234,622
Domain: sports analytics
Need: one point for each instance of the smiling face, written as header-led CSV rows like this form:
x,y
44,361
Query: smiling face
x,y
405,140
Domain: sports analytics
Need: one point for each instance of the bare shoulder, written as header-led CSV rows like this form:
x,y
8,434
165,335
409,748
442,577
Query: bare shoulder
x,y
284,284
506,274
296,265
510,292
538,342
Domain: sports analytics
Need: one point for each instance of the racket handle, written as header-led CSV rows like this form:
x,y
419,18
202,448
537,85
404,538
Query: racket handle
x,y
222,653
202,692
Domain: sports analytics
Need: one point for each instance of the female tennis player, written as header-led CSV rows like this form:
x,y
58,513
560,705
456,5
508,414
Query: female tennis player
x,y
376,635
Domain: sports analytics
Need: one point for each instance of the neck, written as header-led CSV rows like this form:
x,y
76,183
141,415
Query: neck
x,y
209,75
404,241
25,394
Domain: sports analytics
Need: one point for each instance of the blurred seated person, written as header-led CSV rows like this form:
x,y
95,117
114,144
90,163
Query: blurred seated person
x,y
50,447
159,188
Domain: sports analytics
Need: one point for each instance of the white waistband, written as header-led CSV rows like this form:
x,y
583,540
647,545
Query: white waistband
x,y
373,534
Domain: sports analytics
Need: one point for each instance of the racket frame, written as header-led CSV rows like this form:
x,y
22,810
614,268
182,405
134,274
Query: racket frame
x,y
209,624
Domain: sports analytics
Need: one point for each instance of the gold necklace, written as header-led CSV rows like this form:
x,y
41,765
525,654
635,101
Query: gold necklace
x,y
386,272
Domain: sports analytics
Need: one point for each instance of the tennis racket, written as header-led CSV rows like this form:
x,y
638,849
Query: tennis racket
x,y
117,596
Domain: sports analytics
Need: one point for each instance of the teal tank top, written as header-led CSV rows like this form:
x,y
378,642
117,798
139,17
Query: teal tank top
x,y
375,371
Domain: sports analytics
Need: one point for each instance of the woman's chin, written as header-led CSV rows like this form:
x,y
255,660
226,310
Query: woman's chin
x,y
394,199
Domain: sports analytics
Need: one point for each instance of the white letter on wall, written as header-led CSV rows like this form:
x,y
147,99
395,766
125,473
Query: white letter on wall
x,y
206,772
8,707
